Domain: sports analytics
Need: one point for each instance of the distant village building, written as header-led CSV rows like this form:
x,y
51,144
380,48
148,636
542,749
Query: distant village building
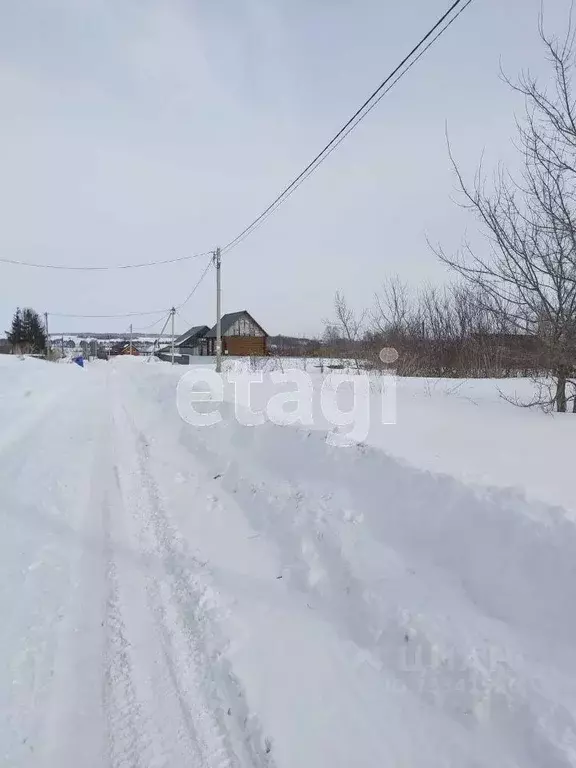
x,y
130,350
125,348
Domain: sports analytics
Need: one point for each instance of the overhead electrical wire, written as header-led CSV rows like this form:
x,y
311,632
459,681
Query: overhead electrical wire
x,y
139,314
181,316
159,336
193,291
426,42
162,331
125,314
391,80
149,327
101,268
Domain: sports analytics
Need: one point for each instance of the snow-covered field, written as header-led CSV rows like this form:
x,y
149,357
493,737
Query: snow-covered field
x,y
254,596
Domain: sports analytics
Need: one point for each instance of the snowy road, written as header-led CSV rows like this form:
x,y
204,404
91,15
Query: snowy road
x,y
245,597
111,656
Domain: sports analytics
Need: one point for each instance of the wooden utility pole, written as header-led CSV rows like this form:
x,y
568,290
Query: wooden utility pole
x,y
172,312
130,339
217,262
47,336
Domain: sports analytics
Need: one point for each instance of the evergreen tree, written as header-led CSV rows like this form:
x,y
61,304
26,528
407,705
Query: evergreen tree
x,y
33,332
39,339
27,333
16,334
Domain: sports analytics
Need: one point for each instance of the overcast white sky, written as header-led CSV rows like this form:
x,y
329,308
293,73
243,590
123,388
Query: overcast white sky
x,y
140,130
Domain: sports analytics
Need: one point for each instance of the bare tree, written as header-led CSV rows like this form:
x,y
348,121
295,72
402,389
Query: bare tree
x,y
391,307
346,331
527,280
439,331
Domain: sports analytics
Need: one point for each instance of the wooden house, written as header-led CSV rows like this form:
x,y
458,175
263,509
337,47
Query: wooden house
x,y
241,336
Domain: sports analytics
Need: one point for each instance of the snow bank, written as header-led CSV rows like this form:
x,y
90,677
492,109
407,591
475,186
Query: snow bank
x,y
466,428
375,612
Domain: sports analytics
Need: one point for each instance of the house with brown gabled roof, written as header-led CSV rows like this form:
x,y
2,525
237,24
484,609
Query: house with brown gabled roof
x,y
241,336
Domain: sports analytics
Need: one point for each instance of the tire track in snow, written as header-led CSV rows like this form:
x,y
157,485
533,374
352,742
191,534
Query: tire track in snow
x,y
119,698
211,703
147,727
188,613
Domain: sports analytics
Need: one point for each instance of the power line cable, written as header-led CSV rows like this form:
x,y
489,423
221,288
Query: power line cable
x,y
390,81
157,340
181,316
101,268
165,324
196,286
356,118
125,314
137,314
311,170
148,327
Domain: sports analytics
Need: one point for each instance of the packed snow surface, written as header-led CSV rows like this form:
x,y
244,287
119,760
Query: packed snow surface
x,y
242,597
